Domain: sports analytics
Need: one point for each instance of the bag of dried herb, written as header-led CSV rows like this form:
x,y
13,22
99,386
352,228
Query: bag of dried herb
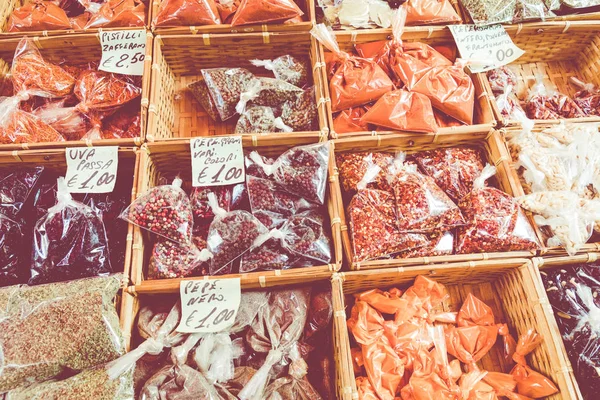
x,y
286,68
267,92
164,210
301,114
495,221
69,242
301,170
47,330
225,85
12,256
260,119
15,188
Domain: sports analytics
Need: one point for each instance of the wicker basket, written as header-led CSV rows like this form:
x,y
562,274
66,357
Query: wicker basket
x,y
166,160
76,50
483,117
55,160
307,6
509,287
491,144
557,51
8,6
175,114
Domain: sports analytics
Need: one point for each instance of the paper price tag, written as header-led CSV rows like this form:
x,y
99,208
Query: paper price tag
x,y
92,169
123,52
489,46
209,306
217,161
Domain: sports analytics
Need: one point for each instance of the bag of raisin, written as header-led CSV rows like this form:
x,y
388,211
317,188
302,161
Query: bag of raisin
x,y
164,210
12,254
15,188
495,221
225,86
421,205
286,68
357,80
264,11
173,13
301,170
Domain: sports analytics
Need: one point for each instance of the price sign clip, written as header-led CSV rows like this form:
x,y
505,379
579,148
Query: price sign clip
x,y
92,169
217,161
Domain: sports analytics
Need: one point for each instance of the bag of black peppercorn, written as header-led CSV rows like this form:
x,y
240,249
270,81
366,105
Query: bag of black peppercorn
x,y
301,170
164,210
69,242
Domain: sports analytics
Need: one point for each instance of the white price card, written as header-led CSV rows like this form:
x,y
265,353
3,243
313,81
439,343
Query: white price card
x,y
92,169
217,161
123,52
488,47
209,306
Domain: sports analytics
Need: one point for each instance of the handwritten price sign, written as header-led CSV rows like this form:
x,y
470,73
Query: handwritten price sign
x,y
92,169
217,161
209,306
489,46
123,52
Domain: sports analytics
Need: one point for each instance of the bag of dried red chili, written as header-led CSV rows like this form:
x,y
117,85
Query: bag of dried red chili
x,y
450,90
125,123
357,81
544,103
163,210
402,110
587,98
454,169
225,85
354,166
301,170
119,14
175,260
495,221
500,78
437,244
421,206
38,15
509,105
22,127
186,13
424,12
264,11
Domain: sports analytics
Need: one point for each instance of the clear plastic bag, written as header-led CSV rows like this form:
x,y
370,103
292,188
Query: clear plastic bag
x,y
22,127
69,242
353,167
165,211
437,244
513,11
12,257
267,92
500,78
200,206
425,12
38,16
265,11
550,104
15,188
301,113
225,86
201,94
119,14
510,105
173,13
495,222
71,125
269,256
454,169
266,195
357,81
402,110
286,68
50,329
260,119
581,3
421,206
587,98
174,260
301,170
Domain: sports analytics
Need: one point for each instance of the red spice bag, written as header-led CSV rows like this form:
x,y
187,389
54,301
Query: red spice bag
x,y
38,15
264,11
227,9
544,103
72,126
402,110
174,260
450,90
22,127
301,170
266,195
353,167
119,14
186,13
357,81
69,242
163,210
349,121
423,12
495,222
421,206
587,98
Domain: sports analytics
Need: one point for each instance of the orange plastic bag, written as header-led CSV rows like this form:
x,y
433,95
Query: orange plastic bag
x,y
227,9
365,389
384,302
529,382
349,121
423,12
79,22
444,121
357,81
119,14
263,11
450,90
365,323
402,110
38,16
187,13
384,369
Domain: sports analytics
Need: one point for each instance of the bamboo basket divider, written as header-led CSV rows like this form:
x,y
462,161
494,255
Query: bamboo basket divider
x,y
168,159
557,51
433,35
508,286
178,59
8,6
308,19
77,50
490,144
518,189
